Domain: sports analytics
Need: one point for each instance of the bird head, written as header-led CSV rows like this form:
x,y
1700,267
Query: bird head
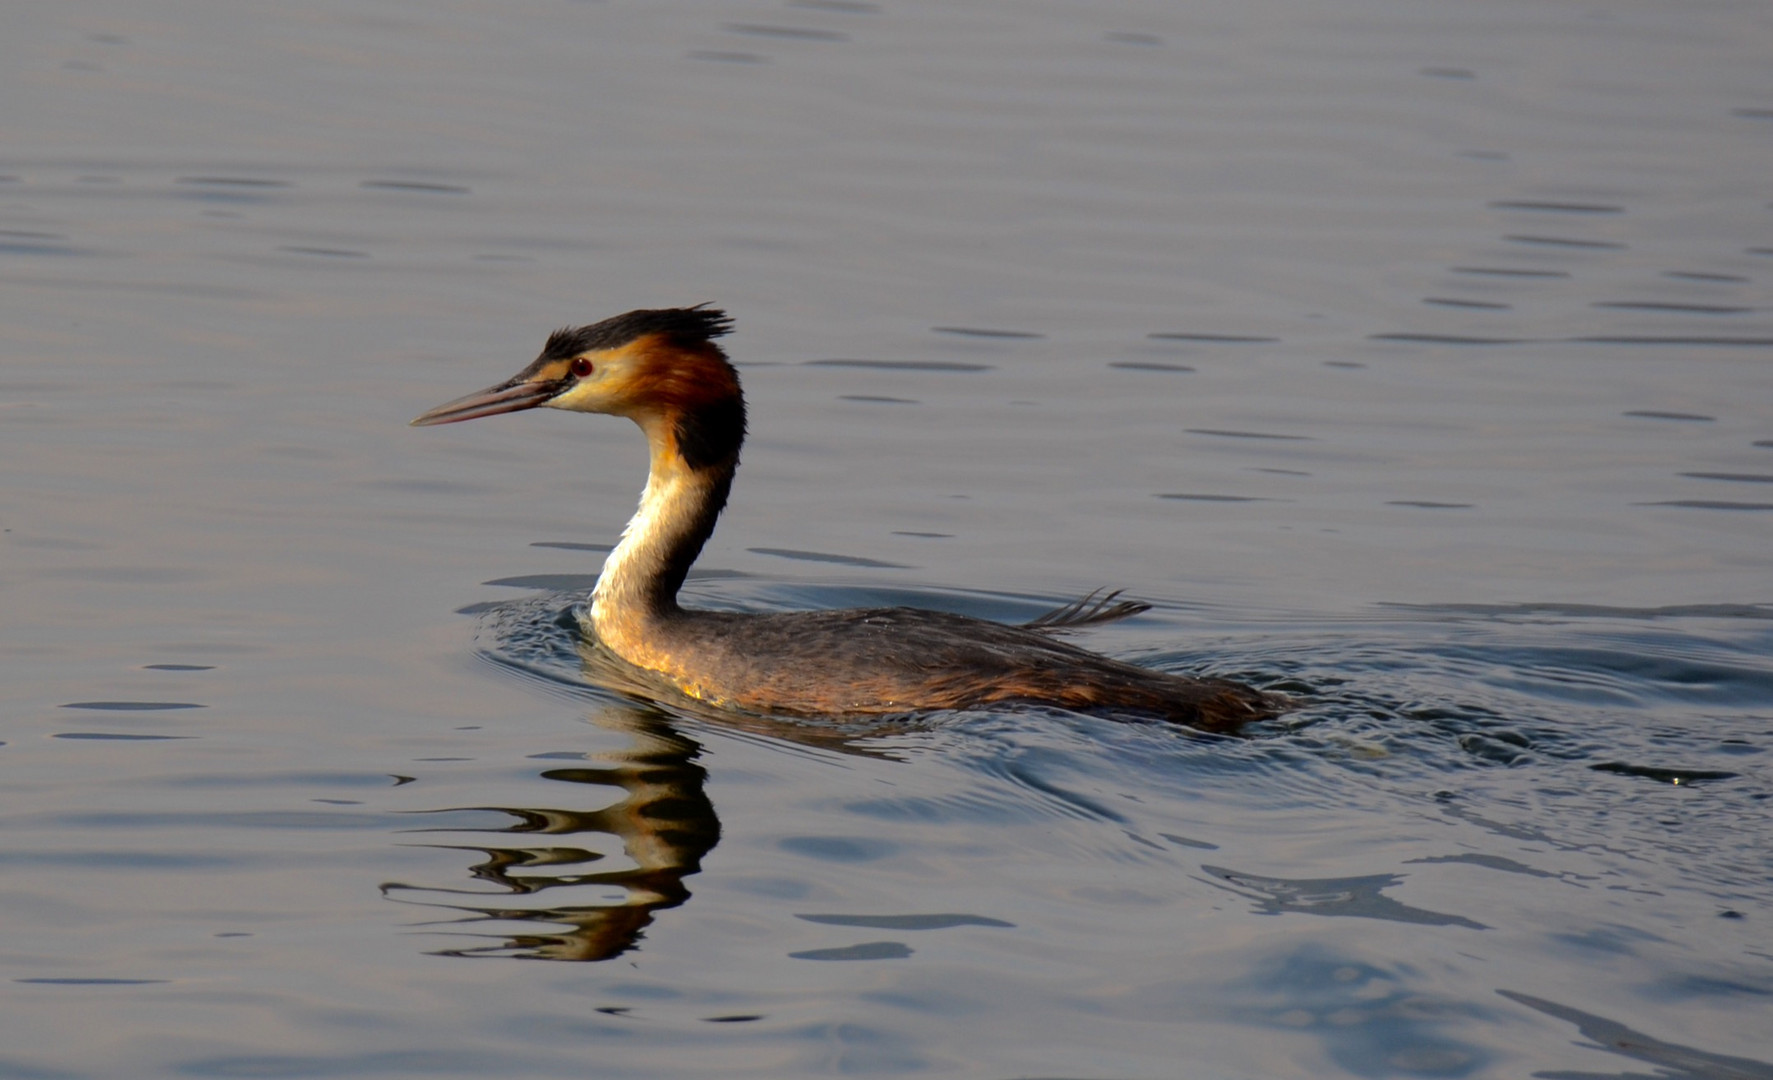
x,y
643,364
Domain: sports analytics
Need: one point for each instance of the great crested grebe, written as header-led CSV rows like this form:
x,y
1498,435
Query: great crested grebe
x,y
662,370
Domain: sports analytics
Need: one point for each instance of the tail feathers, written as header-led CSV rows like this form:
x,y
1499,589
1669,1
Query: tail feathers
x,y
1092,610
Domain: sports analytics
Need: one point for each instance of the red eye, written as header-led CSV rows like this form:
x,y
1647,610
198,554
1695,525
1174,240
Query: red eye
x,y
582,367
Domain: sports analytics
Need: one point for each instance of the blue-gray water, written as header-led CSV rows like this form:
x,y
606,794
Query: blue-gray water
x,y
1412,357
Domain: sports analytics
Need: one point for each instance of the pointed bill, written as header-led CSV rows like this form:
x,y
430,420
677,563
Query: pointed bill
x,y
513,396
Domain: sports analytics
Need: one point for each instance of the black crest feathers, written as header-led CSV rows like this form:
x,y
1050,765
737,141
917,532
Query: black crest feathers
x,y
691,324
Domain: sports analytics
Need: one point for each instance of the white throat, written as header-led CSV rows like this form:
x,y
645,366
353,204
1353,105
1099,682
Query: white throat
x,y
638,586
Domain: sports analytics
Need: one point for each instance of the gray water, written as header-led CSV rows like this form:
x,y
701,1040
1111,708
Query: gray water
x,y
1412,358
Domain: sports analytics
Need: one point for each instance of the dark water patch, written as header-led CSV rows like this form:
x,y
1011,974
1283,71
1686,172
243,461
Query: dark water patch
x,y
1611,939
1708,504
429,487
1225,433
1368,1020
573,583
568,545
827,557
901,365
291,778
1615,669
126,575
839,849
1476,305
1683,309
1564,242
872,950
1694,275
26,242
1125,37
1662,774
849,7
150,288
55,543
77,981
877,399
1759,250
418,186
1278,472
1348,897
178,667
1210,339
1348,364
226,819
1497,751
330,253
736,1018
905,922
423,1062
924,535
113,736
1447,73
1700,342
1765,443
1147,365
232,190
191,384
1491,862
133,706
1753,113
134,860
722,56
1733,477
1503,271
1601,611
1664,414
233,182
1189,843
796,33
1691,987
1428,504
984,332
1446,339
1037,769
1197,497
1547,207
1672,1060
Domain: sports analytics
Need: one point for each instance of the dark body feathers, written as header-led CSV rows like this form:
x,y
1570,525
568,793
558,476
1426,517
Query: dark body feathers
x,y
896,660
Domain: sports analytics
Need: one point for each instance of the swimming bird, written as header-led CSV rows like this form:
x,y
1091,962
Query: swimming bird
x,y
662,369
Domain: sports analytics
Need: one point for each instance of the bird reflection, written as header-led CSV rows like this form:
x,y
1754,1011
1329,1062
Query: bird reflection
x,y
663,822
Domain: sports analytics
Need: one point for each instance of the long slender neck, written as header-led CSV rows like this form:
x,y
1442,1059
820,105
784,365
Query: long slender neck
x,y
638,588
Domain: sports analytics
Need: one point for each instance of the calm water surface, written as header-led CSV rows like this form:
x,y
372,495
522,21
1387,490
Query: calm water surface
x,y
1410,358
